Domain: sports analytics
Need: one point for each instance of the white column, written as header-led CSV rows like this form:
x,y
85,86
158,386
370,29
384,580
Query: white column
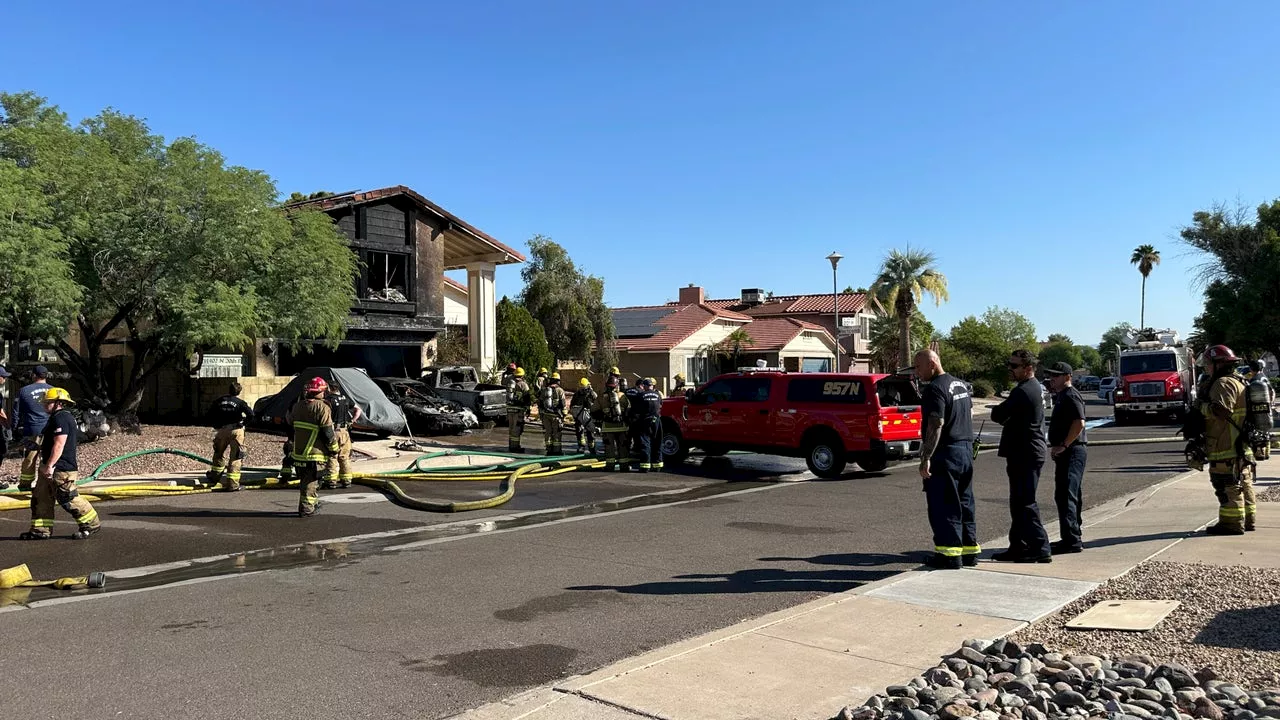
x,y
482,316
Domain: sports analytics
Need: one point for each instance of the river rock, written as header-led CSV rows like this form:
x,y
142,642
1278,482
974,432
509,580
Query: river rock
x,y
1069,698
987,697
975,685
1236,694
955,711
915,715
971,655
1163,685
941,676
900,691
1206,710
1177,675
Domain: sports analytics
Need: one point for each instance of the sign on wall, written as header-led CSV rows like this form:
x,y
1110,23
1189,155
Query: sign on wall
x,y
218,366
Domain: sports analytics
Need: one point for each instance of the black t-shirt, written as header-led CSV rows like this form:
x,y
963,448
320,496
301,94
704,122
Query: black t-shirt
x,y
1022,415
229,410
947,398
1068,408
61,423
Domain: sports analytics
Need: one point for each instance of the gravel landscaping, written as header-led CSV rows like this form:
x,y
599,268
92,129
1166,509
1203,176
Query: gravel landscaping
x,y
1269,493
264,451
1229,620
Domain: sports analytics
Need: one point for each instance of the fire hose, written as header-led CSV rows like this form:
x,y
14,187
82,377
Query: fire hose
x,y
505,474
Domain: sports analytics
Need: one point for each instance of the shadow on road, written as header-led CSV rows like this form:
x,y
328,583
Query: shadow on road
x,y
1129,539
1245,629
857,559
207,514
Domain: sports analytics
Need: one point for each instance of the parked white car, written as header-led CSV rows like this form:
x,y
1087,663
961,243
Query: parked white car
x,y
1107,390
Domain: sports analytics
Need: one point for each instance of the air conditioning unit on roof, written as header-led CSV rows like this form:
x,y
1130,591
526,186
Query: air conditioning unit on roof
x,y
752,296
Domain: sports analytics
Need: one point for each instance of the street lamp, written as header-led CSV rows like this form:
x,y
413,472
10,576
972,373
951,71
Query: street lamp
x,y
835,257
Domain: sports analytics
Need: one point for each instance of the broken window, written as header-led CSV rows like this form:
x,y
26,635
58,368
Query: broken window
x,y
387,276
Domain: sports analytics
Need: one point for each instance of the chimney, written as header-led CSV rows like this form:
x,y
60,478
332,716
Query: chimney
x,y
692,295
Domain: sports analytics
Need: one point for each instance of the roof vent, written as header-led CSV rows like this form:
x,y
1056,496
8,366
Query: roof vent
x,y
752,296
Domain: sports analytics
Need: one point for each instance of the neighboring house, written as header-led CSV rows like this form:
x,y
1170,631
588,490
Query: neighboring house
x,y
660,341
856,316
455,303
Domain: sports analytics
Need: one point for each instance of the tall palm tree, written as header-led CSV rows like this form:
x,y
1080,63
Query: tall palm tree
x,y
905,278
733,344
1146,257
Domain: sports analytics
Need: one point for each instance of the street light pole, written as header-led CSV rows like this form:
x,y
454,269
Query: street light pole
x,y
835,257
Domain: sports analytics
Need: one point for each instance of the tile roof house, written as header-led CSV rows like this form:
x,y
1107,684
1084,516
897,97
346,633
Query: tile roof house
x,y
659,341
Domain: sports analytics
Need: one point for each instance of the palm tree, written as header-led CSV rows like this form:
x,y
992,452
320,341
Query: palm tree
x,y
905,278
1146,257
734,342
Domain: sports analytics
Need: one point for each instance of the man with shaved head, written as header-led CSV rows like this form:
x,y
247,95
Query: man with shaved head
x,y
946,464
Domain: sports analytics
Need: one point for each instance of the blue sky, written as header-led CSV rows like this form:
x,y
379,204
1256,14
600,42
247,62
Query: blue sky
x,y
730,144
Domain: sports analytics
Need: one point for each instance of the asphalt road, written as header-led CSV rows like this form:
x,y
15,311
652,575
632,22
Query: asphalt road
x,y
430,623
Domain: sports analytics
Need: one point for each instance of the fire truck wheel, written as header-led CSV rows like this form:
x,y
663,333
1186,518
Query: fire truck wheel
x,y
872,461
825,455
674,448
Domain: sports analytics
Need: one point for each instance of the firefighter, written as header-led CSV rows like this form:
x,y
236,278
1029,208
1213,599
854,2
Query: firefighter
x,y
551,403
314,441
540,380
509,376
228,417
286,462
614,374
519,399
1231,462
28,423
679,385
580,408
58,472
611,411
633,421
649,427
1261,396
345,414
946,464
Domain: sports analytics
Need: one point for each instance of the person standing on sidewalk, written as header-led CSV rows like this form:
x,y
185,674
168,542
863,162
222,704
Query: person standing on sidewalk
x,y
584,399
946,464
1022,445
314,442
1231,462
228,417
519,400
29,418
611,409
1067,441
58,471
345,412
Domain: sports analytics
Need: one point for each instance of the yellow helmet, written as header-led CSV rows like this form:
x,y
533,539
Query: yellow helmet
x,y
614,370
555,376
519,372
584,383
58,395
679,376
542,371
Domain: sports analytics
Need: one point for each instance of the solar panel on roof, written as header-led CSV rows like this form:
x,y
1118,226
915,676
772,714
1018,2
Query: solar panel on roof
x,y
639,323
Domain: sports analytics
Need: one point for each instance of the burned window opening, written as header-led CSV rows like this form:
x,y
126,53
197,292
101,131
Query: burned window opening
x,y
387,277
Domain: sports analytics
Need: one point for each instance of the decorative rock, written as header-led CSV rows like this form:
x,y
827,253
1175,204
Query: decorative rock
x,y
975,685
861,713
997,648
1236,694
1017,687
1084,661
1206,674
1163,685
941,676
1013,702
1243,714
1146,694
1049,657
919,683
1031,713
902,703
1072,676
987,697
1069,698
988,715
874,702
1060,687
971,655
945,695
1023,667
1256,704
999,679
915,715
900,691
1155,708
1188,696
956,712
1039,702
1177,675
1206,710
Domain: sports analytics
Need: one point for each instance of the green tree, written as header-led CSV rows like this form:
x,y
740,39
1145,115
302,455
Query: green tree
x,y
733,345
1056,352
569,305
1091,359
974,349
1146,257
1110,339
886,336
1059,338
905,278
173,251
521,339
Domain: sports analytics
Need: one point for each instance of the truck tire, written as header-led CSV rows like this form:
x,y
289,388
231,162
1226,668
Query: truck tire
x,y
1123,418
674,448
825,455
872,461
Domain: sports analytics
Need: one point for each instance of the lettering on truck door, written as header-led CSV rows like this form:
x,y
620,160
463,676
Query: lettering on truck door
x,y
703,413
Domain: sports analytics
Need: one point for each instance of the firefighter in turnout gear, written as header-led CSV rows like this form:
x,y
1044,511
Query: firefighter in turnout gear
x,y
228,417
57,473
337,472
314,441
679,385
1261,396
1231,461
649,427
551,404
584,399
611,411
519,399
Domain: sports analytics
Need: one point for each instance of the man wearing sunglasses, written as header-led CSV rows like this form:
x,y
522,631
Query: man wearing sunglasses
x,y
1024,448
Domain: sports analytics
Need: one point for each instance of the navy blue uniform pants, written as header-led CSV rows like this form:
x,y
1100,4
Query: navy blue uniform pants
x,y
949,492
1068,482
650,432
1027,535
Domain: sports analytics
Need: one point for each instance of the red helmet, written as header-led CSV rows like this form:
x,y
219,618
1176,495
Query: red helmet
x,y
316,385
1219,353
511,367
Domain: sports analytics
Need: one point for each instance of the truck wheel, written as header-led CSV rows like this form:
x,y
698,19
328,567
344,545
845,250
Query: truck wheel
x,y
674,449
825,455
872,461
1122,418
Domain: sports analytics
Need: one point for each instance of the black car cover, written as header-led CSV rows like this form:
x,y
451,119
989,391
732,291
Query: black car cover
x,y
379,414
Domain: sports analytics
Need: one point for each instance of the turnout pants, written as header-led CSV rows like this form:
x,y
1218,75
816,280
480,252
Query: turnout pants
x,y
228,441
552,427
515,429
649,431
1068,493
286,463
60,489
337,470
617,452
949,492
1233,484
30,461
586,430
1027,535
308,486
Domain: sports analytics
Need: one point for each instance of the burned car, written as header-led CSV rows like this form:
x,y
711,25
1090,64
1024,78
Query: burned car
x,y
426,412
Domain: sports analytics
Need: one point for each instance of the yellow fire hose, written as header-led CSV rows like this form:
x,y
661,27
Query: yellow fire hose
x,y
20,577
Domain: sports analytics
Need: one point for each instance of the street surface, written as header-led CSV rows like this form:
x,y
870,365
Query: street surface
x,y
460,610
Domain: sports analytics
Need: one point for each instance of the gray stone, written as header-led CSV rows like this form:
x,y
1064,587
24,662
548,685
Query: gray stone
x,y
1272,711
1146,694
1033,649
1205,674
1031,713
996,648
1048,657
1256,704
900,691
1083,661
874,702
1059,664
999,679
1072,676
1131,709
1134,669
1236,694
975,643
1177,675
1012,702
927,696
915,715
979,672
1243,714
1069,698
955,711
1018,687
1162,684
902,703
1111,674
1151,706
941,676
1023,667
1130,682
945,695
1206,710
919,683
975,685
858,713
971,654
988,715
986,698
1188,696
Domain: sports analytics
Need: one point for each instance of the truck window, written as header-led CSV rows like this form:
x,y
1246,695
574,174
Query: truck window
x,y
717,391
895,392
828,391
1154,362
749,389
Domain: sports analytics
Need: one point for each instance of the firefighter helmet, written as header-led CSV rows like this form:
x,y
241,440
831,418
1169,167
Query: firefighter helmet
x,y
519,372
614,370
646,382
57,394
542,371
679,376
555,376
611,382
1219,353
584,383
316,385
511,367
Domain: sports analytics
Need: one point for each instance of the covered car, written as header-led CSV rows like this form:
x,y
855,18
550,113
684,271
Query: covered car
x,y
379,414
426,412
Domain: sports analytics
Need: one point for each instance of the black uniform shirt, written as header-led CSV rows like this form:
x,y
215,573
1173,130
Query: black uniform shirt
x,y
650,404
1022,415
1067,408
63,424
229,410
947,398
633,402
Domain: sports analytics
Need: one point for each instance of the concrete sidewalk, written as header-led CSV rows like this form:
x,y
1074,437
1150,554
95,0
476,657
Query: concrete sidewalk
x,y
809,661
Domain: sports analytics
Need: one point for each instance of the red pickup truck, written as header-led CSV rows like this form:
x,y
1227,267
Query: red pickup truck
x,y
829,419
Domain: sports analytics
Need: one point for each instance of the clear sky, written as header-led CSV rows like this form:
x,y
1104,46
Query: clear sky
x,y
732,144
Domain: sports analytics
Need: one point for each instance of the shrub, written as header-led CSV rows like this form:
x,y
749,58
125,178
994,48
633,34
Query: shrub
x,y
982,388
